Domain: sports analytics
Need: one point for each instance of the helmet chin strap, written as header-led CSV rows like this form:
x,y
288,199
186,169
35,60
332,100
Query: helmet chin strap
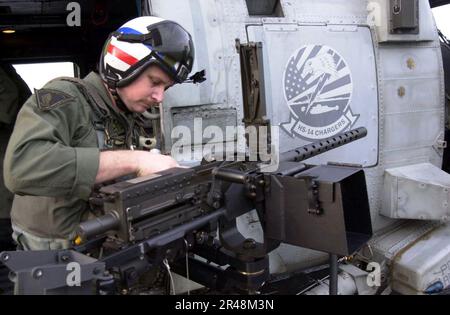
x,y
120,105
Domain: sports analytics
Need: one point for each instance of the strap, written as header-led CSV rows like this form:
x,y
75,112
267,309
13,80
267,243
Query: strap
x,y
98,105
103,112
90,91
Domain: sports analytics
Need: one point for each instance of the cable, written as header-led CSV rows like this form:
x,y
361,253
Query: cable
x,y
172,283
317,283
187,265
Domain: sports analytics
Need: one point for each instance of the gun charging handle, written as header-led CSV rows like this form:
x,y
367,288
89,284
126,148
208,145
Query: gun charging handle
x,y
230,175
97,226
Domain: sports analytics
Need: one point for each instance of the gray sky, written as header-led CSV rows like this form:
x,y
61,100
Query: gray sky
x,y
36,75
442,17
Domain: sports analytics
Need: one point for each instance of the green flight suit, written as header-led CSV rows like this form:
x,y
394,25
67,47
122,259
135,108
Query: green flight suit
x,y
52,159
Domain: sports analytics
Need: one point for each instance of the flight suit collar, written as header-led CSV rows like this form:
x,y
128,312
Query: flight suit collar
x,y
94,79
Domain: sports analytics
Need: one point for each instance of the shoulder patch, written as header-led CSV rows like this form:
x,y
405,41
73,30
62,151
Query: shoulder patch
x,y
47,98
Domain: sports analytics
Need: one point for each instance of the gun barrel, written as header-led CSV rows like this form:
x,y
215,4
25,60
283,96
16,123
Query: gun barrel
x,y
316,148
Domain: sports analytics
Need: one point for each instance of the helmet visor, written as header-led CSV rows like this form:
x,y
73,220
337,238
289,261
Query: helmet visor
x,y
174,45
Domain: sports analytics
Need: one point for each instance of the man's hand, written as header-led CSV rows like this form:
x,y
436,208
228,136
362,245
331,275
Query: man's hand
x,y
115,164
149,163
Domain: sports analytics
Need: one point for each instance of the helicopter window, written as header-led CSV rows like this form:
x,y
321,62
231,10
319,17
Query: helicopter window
x,y
441,15
37,74
264,8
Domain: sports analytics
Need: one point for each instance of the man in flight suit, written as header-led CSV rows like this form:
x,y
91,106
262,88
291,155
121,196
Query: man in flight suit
x,y
73,134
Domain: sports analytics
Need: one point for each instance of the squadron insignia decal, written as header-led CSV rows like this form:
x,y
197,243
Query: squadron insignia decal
x,y
318,88
48,99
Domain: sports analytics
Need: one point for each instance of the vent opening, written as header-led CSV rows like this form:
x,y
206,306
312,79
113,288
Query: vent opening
x,y
264,8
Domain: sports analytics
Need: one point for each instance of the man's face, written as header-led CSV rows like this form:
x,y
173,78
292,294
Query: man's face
x,y
146,91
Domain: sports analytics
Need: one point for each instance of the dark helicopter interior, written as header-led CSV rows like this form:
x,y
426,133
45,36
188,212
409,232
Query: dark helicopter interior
x,y
438,3
41,32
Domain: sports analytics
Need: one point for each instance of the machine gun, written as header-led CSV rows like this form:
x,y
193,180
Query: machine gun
x,y
188,217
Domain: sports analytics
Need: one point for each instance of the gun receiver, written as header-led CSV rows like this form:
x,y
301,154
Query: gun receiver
x,y
181,186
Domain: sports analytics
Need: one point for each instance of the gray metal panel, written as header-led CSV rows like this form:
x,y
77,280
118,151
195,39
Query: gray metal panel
x,y
419,191
217,56
360,94
337,11
413,111
410,61
422,78
380,11
402,136
211,115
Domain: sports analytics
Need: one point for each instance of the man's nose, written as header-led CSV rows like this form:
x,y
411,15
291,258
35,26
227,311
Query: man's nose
x,y
158,94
